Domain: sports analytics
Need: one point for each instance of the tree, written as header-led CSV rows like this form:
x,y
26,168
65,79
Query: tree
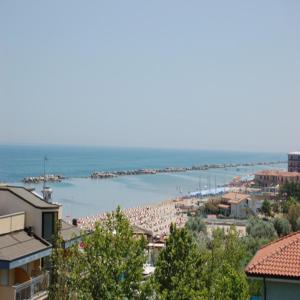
x,y
298,224
289,202
179,269
258,229
282,226
226,277
196,224
110,266
293,215
266,208
290,189
229,284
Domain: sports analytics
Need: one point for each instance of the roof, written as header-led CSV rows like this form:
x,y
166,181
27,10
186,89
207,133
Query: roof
x,y
279,259
69,232
139,230
294,153
29,197
224,206
19,244
277,173
235,198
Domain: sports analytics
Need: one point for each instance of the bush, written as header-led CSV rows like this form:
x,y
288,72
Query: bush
x,y
293,215
211,208
196,224
261,229
282,226
266,208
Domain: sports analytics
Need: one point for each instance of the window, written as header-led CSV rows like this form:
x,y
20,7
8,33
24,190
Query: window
x,y
4,277
49,225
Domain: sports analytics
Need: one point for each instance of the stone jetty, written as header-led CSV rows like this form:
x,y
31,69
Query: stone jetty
x,y
47,178
104,175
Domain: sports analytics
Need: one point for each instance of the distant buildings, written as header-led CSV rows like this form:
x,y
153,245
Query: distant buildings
x,y
28,225
272,177
294,162
277,265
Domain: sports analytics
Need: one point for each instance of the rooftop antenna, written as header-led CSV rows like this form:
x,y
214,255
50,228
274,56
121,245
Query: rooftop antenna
x,y
44,181
46,190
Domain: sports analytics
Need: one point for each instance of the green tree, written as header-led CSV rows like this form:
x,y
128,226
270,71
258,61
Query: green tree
x,y
196,224
266,208
197,227
259,229
110,267
298,224
229,284
287,203
290,189
282,226
179,269
293,215
225,267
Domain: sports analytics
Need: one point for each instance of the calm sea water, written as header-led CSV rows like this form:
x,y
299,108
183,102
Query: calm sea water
x,y
82,196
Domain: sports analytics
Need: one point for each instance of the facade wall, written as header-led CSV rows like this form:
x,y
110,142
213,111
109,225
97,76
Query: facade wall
x,y
271,180
294,162
282,290
12,222
7,293
238,210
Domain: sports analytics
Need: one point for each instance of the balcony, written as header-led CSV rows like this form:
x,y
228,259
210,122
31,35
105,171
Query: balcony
x,y
34,289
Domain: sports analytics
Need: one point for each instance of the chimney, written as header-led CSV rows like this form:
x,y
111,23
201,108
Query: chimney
x,y
47,193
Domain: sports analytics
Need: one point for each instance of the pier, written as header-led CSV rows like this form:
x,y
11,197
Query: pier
x,y
112,174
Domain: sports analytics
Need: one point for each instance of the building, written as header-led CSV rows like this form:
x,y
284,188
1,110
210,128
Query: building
x,y
28,225
237,205
274,177
294,162
278,266
140,232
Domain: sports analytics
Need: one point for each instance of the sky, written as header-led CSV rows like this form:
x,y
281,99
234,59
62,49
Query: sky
x,y
166,74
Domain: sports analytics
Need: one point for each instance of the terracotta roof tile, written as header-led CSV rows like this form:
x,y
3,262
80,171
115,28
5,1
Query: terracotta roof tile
x,y
280,258
277,173
235,198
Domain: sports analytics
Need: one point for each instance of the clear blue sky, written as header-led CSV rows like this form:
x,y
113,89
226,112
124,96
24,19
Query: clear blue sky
x,y
183,74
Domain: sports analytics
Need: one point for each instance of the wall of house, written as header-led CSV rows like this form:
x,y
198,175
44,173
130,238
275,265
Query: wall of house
x,y
277,290
7,293
12,222
9,203
238,210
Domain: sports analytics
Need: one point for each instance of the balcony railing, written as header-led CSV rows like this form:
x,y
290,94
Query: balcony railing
x,y
33,288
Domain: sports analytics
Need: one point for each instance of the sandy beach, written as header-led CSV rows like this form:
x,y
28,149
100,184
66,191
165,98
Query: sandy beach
x,y
156,218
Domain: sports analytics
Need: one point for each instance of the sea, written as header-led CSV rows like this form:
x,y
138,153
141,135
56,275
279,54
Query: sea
x,y
82,196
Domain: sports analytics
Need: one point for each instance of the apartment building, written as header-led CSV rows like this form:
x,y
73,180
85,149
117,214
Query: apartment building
x,y
273,177
28,225
294,162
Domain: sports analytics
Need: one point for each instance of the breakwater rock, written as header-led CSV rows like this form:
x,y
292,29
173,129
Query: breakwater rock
x,y
112,174
47,178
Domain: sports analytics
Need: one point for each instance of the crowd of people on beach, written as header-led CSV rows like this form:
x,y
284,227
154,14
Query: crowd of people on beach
x,y
155,218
